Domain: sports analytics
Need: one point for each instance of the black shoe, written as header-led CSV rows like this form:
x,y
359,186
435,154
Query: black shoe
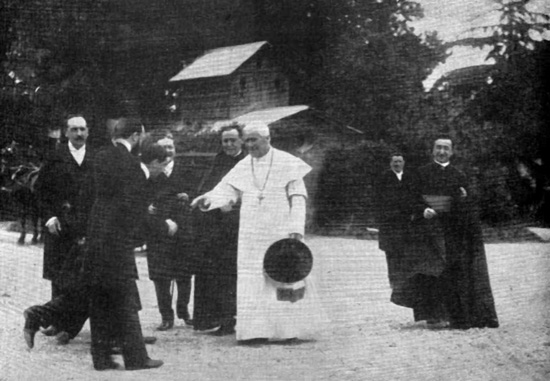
x,y
148,364
186,318
31,327
165,325
50,331
258,341
224,330
149,339
188,322
206,326
106,364
63,338
28,334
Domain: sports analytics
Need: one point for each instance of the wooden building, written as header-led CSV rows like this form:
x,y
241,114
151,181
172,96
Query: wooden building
x,y
227,82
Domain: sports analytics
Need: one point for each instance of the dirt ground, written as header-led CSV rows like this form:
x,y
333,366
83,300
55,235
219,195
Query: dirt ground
x,y
368,337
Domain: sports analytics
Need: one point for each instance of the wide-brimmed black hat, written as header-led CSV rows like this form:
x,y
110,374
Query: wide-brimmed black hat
x,y
288,261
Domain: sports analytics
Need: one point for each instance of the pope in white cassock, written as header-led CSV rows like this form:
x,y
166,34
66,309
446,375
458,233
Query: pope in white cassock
x,y
270,185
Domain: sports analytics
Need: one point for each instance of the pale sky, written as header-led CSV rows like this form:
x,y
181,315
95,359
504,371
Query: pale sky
x,y
452,19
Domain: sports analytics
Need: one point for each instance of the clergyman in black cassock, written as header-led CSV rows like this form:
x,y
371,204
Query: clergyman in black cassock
x,y
216,237
454,286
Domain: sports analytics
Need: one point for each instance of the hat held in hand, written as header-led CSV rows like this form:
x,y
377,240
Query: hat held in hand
x,y
288,261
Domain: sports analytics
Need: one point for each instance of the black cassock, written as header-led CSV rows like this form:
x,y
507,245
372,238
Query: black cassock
x,y
448,277
216,237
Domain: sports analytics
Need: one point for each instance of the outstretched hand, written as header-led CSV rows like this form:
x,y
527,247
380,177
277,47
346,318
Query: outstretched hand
x,y
202,202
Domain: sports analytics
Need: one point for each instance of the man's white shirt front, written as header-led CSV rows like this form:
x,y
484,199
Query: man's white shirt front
x,y
77,154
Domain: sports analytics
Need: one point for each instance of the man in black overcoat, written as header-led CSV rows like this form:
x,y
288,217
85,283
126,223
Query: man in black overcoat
x,y
216,235
399,207
66,189
116,218
169,237
453,289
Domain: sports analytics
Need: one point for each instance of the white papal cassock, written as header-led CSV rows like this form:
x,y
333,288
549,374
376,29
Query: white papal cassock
x,y
265,186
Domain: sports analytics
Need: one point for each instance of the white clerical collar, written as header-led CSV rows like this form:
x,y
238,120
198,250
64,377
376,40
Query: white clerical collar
x,y
125,143
237,153
398,174
443,164
169,168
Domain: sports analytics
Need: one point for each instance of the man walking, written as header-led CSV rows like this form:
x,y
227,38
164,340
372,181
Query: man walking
x,y
66,188
115,220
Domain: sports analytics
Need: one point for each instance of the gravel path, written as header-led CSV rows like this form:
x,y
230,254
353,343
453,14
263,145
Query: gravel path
x,y
368,338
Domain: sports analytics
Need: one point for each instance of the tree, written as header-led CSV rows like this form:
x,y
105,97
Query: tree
x,y
374,64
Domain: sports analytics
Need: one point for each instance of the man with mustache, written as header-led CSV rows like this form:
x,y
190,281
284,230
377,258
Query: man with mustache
x,y
66,190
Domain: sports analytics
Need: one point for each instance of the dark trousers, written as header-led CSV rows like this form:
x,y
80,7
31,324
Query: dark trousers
x,y
67,312
114,319
57,289
164,298
227,296
215,297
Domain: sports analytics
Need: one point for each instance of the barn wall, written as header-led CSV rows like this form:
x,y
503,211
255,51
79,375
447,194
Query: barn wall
x,y
256,85
204,99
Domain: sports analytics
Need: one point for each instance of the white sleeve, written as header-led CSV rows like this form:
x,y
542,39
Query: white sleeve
x,y
223,195
296,192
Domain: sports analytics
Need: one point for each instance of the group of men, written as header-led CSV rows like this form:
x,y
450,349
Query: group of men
x,y
101,205
433,242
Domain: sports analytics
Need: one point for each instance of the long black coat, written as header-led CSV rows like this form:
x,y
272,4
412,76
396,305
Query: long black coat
x,y
217,232
170,257
456,239
66,190
399,206
116,217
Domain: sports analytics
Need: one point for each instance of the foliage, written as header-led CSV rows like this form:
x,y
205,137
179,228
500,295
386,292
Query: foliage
x,y
374,65
96,57
498,120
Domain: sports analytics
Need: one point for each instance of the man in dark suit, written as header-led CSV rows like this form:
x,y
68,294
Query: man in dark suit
x,y
169,237
216,236
399,206
115,220
457,293
66,189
